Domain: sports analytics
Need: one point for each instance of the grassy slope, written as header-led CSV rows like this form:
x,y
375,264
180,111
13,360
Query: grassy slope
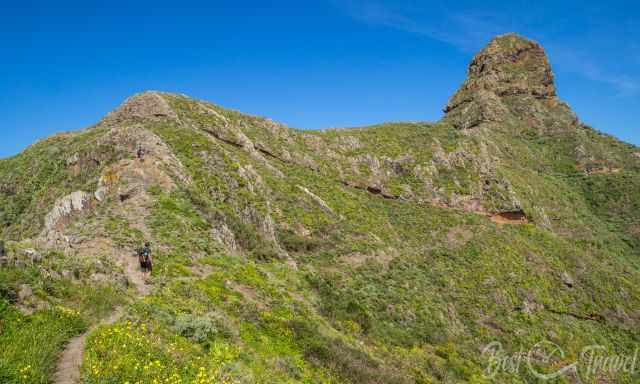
x,y
433,305
32,343
38,176
386,290
32,181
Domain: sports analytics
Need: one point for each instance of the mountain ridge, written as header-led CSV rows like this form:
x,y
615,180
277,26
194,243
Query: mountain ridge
x,y
391,253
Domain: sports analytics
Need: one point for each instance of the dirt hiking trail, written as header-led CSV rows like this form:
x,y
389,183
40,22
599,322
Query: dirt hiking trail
x,y
68,368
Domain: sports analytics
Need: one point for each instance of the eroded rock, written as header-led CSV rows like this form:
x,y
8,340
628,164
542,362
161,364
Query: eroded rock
x,y
8,189
510,78
65,207
144,106
224,236
24,293
73,159
321,203
34,256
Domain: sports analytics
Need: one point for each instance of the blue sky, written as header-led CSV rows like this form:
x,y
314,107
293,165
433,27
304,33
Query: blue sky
x,y
310,64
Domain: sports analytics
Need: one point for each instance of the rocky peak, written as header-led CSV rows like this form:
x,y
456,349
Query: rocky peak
x,y
509,66
143,106
513,65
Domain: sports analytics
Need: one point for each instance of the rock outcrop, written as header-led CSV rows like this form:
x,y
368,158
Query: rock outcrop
x,y
509,78
142,107
390,227
65,207
159,156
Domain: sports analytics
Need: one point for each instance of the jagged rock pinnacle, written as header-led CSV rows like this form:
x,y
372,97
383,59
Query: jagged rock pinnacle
x,y
512,65
509,66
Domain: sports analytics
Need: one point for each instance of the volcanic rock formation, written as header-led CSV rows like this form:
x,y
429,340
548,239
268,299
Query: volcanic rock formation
x,y
510,78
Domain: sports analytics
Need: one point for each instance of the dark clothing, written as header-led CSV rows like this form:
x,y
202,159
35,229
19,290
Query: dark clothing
x,y
146,266
3,255
145,259
141,153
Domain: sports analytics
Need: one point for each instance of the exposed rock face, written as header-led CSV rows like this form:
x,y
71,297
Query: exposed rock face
x,y
158,154
509,66
34,256
64,207
24,293
230,134
318,200
512,65
224,236
73,160
141,107
8,189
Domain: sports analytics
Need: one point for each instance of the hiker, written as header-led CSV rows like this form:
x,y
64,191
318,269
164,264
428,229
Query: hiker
x,y
141,152
3,255
146,261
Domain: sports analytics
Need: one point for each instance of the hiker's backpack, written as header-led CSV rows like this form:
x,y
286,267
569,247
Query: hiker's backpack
x,y
142,254
145,254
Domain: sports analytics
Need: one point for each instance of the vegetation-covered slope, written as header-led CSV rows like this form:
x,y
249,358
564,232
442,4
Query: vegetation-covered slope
x,y
385,254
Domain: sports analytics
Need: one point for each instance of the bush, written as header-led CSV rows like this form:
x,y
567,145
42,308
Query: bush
x,y
196,328
298,244
267,252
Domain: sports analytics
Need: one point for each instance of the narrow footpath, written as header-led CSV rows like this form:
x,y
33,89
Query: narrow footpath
x,y
68,368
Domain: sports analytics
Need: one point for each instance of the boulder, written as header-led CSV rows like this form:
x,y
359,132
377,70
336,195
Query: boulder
x,y
100,194
99,278
73,159
301,230
7,189
567,280
24,293
34,256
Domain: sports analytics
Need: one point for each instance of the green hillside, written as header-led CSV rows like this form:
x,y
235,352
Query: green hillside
x,y
386,254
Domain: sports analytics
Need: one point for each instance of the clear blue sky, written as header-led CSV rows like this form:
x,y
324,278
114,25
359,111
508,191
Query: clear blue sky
x,y
310,64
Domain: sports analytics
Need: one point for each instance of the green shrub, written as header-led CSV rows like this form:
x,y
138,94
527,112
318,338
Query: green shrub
x,y
196,328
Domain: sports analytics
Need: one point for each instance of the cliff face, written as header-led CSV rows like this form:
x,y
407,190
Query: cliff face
x,y
392,253
512,65
510,78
